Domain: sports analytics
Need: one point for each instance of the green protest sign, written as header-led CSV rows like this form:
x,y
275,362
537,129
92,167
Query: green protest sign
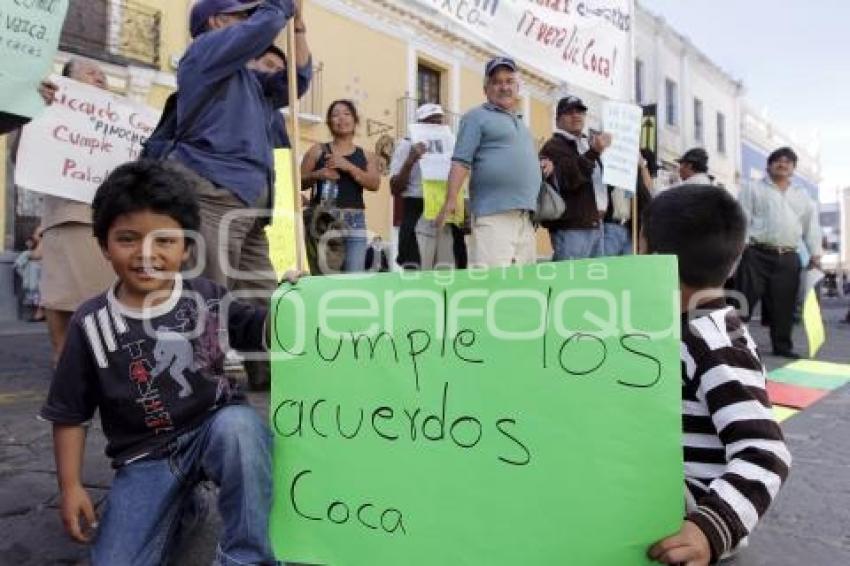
x,y
29,36
508,416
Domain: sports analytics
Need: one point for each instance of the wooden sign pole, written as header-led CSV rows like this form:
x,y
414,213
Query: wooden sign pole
x,y
295,140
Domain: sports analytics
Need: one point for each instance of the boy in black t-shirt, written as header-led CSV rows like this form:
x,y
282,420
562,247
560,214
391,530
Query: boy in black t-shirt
x,y
148,353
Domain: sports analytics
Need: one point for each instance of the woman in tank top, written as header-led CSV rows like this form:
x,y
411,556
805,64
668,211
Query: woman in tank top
x,y
337,173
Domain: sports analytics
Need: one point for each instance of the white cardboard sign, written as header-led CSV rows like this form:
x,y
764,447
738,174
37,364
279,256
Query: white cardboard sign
x,y
622,121
87,132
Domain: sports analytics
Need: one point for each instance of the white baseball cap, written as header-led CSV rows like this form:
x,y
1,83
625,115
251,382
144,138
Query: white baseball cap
x,y
428,110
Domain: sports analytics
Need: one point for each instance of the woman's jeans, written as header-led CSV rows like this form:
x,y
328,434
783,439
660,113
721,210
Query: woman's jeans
x,y
610,239
146,502
356,240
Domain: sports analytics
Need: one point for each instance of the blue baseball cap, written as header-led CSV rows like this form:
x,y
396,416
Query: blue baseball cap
x,y
202,10
497,62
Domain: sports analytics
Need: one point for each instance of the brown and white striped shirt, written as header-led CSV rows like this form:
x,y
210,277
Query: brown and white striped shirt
x,y
734,451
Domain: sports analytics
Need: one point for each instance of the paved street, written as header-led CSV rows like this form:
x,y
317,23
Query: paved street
x,y
809,524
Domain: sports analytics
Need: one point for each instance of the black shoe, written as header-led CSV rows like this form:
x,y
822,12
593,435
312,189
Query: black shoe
x,y
789,354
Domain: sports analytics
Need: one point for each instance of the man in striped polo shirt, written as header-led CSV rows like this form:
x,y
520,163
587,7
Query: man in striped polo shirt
x,y
735,455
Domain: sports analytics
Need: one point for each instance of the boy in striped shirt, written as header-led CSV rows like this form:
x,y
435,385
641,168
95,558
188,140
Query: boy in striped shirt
x,y
735,455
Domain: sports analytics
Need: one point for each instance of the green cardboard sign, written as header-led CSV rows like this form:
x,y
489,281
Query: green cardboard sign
x,y
512,416
29,37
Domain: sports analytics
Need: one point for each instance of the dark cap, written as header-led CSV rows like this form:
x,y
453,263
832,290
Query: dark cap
x,y
696,156
202,10
497,62
570,103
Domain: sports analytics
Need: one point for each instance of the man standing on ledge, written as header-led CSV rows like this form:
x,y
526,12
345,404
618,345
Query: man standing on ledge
x,y
496,149
779,216
227,149
579,233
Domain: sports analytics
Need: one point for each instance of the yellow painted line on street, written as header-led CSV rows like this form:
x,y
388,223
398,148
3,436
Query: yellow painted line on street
x,y
20,397
825,368
781,413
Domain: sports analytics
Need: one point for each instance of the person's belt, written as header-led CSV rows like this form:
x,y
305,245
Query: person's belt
x,y
772,249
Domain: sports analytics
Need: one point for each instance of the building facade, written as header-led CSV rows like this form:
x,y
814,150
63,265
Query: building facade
x,y
698,104
389,56
133,41
385,55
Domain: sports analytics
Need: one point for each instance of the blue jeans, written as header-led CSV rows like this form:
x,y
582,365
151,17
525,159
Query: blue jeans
x,y
576,244
617,240
146,502
356,241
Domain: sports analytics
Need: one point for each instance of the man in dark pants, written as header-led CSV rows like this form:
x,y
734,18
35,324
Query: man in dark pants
x,y
779,215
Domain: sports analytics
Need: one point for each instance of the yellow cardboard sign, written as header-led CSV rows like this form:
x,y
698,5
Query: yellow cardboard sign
x,y
282,232
813,323
434,193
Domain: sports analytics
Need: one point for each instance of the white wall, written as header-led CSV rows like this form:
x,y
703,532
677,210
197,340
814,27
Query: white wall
x,y
668,55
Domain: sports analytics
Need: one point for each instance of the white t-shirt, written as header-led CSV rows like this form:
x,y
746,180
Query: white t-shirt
x,y
414,185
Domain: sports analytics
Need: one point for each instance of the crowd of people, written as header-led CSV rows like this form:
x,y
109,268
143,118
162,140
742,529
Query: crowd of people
x,y
202,197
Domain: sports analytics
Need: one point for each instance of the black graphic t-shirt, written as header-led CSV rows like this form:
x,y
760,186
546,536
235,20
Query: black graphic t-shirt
x,y
153,374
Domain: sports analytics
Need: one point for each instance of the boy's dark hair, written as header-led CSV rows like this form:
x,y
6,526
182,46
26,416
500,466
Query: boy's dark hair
x,y
145,185
782,152
703,226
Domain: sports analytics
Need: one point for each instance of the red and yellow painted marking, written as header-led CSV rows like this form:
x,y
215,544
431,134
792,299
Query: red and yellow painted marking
x,y
799,385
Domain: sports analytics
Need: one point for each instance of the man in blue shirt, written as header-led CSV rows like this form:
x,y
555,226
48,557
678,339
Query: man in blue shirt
x,y
496,150
228,146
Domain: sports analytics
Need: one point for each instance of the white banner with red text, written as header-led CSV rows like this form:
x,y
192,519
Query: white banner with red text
x,y
583,43
87,132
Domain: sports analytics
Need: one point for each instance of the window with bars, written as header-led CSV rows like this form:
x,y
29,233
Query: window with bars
x,y
428,84
699,124
640,70
721,133
671,94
